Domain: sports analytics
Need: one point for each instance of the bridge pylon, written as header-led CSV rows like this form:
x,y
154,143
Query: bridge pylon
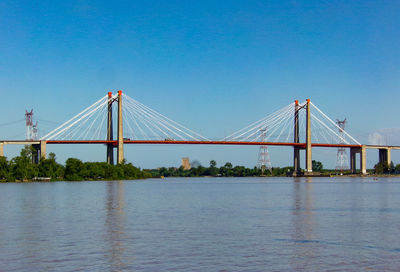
x,y
120,147
110,137
308,139
296,139
110,147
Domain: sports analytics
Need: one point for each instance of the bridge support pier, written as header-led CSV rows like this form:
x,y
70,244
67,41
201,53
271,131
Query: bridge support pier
x,y
42,149
385,156
35,154
296,162
110,154
353,159
1,149
308,140
39,152
120,148
363,160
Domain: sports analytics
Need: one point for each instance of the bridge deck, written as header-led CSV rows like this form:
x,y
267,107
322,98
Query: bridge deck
x,y
19,142
300,145
382,146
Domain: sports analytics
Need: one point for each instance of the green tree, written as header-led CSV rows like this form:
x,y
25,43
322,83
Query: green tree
x,y
239,171
228,165
52,156
74,169
4,168
317,166
226,170
381,168
392,168
22,167
50,168
213,170
213,163
132,172
397,168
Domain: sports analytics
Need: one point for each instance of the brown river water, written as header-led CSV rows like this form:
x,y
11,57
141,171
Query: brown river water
x,y
202,224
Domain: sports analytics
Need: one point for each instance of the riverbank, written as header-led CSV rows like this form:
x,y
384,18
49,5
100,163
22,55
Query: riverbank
x,y
47,180
22,169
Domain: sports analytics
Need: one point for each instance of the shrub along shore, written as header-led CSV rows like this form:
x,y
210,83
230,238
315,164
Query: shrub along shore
x,y
21,168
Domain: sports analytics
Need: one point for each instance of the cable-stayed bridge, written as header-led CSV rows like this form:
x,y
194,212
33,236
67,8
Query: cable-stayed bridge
x,y
117,119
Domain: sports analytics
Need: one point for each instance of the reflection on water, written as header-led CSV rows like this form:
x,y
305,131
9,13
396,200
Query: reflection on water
x,y
202,224
303,224
115,223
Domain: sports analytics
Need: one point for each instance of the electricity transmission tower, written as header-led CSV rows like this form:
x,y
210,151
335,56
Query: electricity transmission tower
x,y
341,157
264,161
31,129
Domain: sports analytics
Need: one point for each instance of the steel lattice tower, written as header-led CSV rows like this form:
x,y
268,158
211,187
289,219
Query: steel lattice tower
x,y
31,129
341,157
264,161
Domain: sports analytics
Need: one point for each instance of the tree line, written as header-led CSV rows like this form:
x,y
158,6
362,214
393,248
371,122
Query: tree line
x,y
227,170
385,168
21,168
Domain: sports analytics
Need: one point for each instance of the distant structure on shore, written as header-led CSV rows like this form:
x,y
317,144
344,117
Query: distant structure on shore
x,y
186,164
264,161
341,157
31,128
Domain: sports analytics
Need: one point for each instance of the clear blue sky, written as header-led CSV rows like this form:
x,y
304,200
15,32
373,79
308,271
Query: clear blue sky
x,y
214,66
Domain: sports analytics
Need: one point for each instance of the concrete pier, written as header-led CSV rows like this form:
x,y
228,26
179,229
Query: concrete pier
x,y
39,152
42,149
353,159
363,160
385,156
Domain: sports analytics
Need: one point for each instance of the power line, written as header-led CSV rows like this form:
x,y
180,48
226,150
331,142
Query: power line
x,y
12,122
47,121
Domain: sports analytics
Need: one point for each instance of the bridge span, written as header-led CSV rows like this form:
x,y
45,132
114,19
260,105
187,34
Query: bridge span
x,y
384,151
291,126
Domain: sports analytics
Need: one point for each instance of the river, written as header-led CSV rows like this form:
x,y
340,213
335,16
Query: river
x,y
202,224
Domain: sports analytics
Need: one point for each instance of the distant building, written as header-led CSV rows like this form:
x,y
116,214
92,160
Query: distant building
x,y
186,164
